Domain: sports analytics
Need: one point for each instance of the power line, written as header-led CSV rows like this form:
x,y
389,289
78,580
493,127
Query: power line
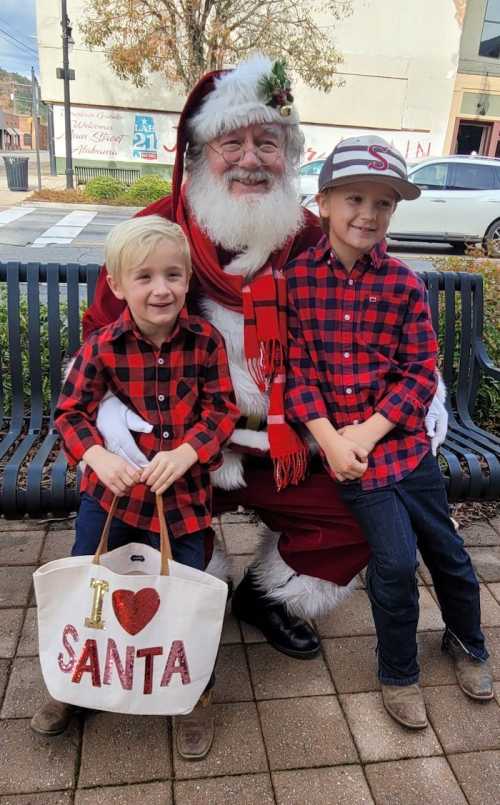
x,y
18,41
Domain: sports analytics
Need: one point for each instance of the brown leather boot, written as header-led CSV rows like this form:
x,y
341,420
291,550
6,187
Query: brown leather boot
x,y
53,717
474,677
194,733
406,705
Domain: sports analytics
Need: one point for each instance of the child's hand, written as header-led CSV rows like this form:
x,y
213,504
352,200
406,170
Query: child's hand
x,y
359,434
347,459
168,466
113,471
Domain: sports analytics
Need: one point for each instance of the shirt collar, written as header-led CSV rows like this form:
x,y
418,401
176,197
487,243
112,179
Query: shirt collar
x,y
377,255
125,324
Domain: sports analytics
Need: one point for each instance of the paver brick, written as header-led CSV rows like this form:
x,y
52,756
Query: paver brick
x,y
436,667
237,748
352,617
480,534
378,736
22,524
494,589
21,547
10,626
275,675
4,675
411,782
353,663
251,634
232,683
338,785
486,562
57,545
120,749
15,585
245,789
28,643
462,725
32,763
26,691
490,608
145,794
479,775
240,538
306,732
495,522
47,798
231,632
492,637
430,614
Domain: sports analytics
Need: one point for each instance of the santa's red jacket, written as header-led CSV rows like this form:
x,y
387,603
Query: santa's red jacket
x,y
319,536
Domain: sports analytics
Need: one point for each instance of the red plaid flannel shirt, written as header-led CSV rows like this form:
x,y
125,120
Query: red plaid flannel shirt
x,y
359,343
183,389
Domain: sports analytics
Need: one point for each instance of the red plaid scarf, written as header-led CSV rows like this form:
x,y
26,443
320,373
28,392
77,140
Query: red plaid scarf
x,y
263,304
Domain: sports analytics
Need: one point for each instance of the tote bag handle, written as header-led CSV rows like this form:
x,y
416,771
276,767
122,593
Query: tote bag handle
x,y
166,552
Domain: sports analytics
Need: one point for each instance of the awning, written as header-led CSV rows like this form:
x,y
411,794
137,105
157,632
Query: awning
x,y
11,132
16,131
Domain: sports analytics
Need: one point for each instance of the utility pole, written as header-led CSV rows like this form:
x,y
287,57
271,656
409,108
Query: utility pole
x,y
66,37
35,122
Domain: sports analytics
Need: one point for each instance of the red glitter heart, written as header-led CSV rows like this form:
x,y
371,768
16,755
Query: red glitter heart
x,y
134,610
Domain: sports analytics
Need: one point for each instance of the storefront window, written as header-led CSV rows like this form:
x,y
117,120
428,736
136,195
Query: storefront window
x,y
490,37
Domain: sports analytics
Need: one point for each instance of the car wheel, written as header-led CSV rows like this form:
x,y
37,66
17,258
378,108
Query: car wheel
x,y
491,241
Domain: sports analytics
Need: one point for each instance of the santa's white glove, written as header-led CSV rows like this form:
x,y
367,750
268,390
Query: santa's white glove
x,y
114,423
436,421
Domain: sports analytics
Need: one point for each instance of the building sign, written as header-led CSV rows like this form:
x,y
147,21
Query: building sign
x,y
120,135
414,145
117,135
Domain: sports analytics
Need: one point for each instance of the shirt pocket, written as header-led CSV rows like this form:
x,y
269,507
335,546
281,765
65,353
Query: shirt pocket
x,y
380,323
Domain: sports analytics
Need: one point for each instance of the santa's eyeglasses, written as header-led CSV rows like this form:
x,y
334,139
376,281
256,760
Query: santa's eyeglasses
x,y
233,153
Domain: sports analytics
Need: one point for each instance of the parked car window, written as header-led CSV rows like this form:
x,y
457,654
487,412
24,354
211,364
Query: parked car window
x,y
431,177
473,177
311,169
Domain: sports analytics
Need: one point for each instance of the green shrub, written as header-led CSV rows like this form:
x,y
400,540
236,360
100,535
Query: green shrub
x,y
5,367
147,189
487,408
104,187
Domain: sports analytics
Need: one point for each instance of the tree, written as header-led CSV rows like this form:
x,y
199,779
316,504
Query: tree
x,y
182,39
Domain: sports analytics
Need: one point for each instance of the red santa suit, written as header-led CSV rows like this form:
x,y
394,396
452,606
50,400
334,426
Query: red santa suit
x,y
320,547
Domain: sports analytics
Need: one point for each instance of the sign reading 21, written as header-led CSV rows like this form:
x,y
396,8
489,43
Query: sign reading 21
x,y
145,144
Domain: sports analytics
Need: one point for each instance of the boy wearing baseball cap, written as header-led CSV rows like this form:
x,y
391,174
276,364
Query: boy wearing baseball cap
x,y
361,375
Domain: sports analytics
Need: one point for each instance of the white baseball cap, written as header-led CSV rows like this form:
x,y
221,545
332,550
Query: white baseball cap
x,y
359,158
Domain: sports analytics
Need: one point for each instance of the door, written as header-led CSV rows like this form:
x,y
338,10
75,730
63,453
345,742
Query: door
x,y
426,215
473,200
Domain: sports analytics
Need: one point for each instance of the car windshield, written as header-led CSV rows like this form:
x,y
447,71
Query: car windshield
x,y
430,177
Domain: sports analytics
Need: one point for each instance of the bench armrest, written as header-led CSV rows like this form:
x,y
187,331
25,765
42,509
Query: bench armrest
x,y
485,361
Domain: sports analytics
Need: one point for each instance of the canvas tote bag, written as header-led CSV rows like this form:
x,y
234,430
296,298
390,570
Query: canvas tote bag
x,y
129,631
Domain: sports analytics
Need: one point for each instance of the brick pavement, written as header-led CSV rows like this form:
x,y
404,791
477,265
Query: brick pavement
x,y
289,732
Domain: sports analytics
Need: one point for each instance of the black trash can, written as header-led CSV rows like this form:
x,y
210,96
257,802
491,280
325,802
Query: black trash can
x,y
16,169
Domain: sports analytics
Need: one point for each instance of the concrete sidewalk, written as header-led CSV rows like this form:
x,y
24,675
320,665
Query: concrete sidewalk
x,y
289,732
13,197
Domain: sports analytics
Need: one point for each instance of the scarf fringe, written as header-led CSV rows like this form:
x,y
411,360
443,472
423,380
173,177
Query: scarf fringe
x,y
270,361
290,469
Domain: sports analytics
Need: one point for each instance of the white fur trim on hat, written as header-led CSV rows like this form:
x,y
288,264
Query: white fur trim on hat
x,y
236,102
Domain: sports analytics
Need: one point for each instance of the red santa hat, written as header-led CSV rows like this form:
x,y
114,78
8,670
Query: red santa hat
x,y
257,91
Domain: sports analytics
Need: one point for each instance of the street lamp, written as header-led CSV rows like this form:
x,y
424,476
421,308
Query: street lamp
x,y
67,40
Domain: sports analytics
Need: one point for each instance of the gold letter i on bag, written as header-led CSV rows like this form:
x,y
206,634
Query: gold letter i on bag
x,y
98,588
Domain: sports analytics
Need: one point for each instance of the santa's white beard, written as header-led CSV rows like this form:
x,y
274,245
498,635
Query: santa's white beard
x,y
254,225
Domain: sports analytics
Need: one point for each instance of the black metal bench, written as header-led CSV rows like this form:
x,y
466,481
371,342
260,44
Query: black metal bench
x,y
84,173
34,476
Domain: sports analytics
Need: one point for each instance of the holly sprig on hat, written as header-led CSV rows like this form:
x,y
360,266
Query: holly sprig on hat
x,y
275,88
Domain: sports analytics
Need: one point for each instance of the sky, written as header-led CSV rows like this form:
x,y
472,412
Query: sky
x,y
18,20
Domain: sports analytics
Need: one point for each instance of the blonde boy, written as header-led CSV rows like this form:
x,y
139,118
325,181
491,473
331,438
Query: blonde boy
x,y
171,369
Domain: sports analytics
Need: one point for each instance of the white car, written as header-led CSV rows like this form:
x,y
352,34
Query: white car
x,y
308,177
460,202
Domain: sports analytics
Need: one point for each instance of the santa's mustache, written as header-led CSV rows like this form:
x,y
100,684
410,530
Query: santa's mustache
x,y
249,177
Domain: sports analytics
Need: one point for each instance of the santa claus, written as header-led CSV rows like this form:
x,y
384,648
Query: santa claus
x,y
234,192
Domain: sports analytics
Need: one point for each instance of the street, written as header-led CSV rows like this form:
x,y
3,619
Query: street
x,y
70,233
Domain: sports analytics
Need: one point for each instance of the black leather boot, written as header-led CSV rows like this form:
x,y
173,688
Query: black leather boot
x,y
283,631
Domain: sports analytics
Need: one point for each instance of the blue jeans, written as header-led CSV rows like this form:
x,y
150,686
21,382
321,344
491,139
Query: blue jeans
x,y
189,550
395,519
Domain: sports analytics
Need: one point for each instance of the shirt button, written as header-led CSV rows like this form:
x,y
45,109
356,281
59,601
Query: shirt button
x,y
161,397
161,361
350,282
348,390
165,434
347,317
347,354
